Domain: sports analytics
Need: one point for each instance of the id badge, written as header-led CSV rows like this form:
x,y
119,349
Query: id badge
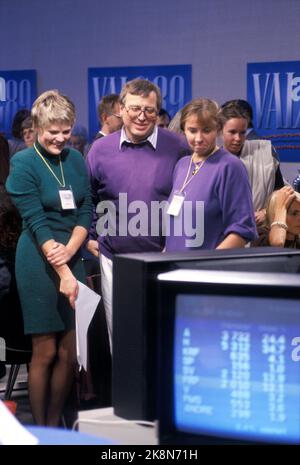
x,y
176,204
67,199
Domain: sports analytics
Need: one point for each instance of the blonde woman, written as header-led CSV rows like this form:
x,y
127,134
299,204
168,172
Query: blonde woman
x,y
49,185
283,220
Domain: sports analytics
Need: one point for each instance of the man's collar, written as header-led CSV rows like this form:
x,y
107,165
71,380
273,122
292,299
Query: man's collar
x,y
152,139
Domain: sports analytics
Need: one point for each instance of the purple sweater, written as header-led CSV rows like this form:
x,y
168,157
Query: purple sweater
x,y
222,184
142,175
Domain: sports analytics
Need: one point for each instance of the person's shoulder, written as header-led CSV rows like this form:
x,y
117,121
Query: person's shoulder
x,y
24,156
72,154
223,156
184,161
228,160
73,157
166,134
173,141
256,144
105,143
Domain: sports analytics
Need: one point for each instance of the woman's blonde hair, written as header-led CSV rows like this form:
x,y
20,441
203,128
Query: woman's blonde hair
x,y
271,205
52,107
204,109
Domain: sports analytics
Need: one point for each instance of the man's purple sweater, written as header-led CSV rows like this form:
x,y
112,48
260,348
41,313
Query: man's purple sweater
x,y
135,175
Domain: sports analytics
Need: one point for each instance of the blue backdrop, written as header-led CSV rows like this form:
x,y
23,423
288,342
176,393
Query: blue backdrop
x,y
20,92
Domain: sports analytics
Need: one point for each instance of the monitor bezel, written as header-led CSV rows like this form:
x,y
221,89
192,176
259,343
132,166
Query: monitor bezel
x,y
168,290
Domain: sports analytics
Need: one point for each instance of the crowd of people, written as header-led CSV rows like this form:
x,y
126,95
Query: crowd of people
x,y
146,183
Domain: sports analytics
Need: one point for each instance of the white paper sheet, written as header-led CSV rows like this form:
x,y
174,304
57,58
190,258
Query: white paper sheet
x,y
12,433
85,307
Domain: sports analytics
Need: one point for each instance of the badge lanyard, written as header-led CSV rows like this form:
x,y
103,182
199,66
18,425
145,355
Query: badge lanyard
x,y
179,196
66,195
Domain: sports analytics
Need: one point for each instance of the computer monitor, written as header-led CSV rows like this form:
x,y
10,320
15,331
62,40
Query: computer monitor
x,y
135,313
229,358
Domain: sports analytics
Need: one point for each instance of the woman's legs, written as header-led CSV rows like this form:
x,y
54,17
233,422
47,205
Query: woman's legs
x,y
43,355
62,377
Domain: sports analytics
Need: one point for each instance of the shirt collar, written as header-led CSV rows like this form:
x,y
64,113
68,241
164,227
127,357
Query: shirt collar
x,y
152,138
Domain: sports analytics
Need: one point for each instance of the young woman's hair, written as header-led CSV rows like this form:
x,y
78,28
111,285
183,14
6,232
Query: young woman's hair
x,y
204,109
232,110
51,107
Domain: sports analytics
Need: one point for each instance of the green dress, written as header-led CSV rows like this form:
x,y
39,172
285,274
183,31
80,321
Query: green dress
x,y
35,191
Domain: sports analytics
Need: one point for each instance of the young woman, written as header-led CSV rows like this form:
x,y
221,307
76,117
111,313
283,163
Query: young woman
x,y
50,187
210,205
258,156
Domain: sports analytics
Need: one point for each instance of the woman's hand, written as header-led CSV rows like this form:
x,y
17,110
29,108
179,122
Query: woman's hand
x,y
260,216
69,287
93,247
284,198
59,255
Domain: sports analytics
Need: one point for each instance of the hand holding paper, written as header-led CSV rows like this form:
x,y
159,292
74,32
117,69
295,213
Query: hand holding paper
x,y
85,307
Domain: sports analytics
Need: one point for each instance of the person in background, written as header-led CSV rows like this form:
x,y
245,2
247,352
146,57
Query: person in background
x,y
163,118
257,155
4,160
16,143
211,202
247,109
10,226
174,124
79,139
28,132
136,162
49,185
109,115
282,225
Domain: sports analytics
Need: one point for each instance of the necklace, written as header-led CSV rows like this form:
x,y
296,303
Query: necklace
x,y
200,163
60,182
188,178
197,167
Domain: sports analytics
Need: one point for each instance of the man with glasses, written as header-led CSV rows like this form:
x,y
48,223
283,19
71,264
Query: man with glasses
x,y
130,170
109,115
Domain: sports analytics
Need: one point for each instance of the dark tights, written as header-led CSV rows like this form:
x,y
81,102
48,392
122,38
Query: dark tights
x,y
51,375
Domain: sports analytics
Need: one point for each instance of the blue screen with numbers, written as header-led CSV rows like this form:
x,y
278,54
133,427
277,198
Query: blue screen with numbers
x,y
236,367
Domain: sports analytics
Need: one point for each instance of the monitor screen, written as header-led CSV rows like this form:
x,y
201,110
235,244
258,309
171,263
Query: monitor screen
x,y
136,322
233,370
233,365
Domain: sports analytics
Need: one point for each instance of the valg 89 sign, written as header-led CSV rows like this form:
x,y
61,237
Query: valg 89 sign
x,y
274,92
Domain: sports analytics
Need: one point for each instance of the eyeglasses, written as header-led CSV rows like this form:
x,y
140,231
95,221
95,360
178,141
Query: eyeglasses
x,y
134,111
116,115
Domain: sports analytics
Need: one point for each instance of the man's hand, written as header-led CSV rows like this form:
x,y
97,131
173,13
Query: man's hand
x,y
93,247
